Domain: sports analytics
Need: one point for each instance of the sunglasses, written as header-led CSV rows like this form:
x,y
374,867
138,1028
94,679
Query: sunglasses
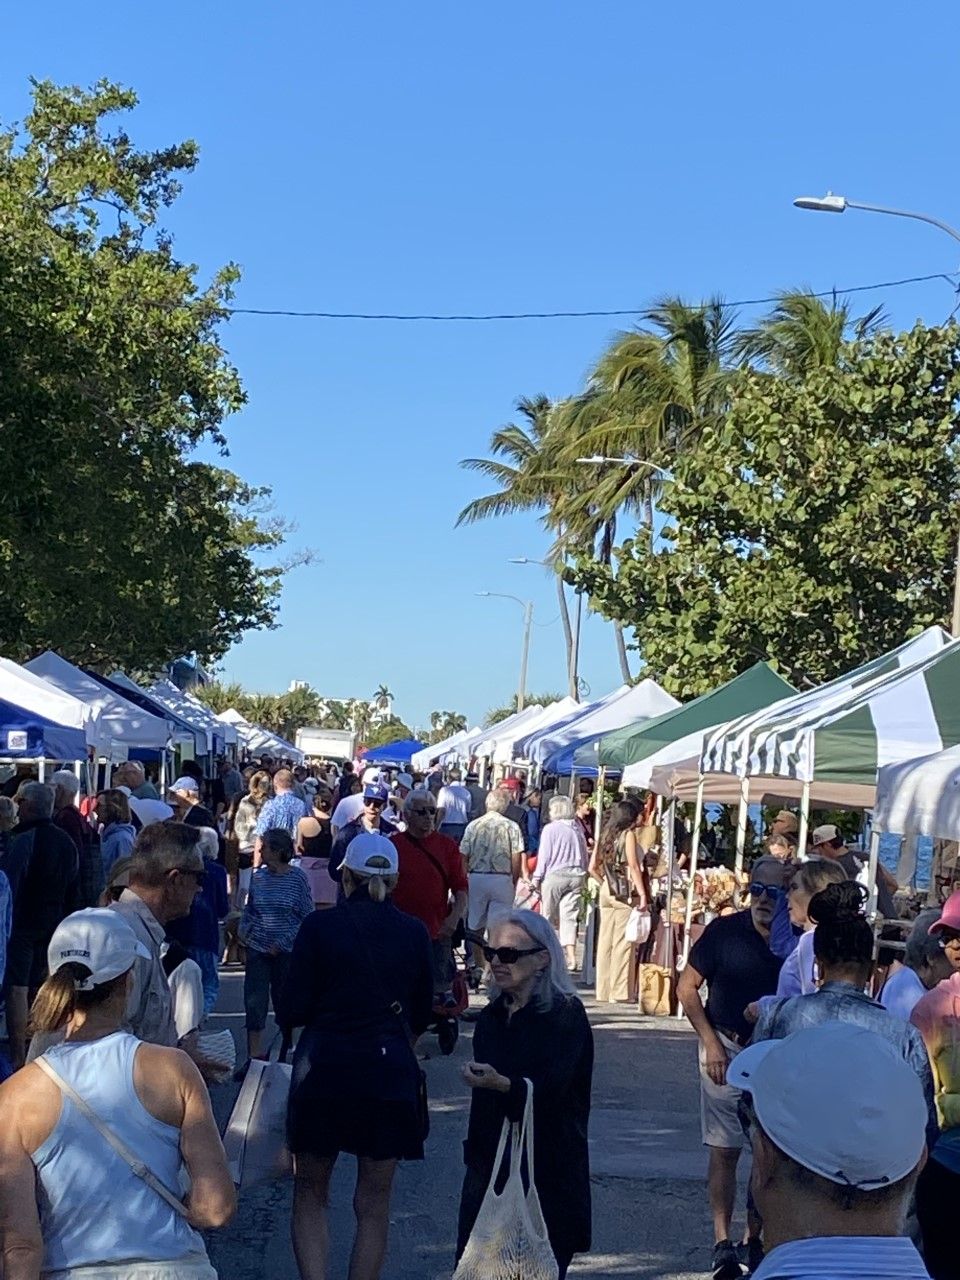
x,y
375,804
508,955
947,938
199,876
765,890
423,813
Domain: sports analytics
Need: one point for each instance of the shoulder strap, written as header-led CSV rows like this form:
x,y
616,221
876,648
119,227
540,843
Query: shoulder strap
x,y
123,1151
390,1006
424,850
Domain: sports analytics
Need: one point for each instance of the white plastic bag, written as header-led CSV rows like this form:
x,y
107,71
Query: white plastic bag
x,y
509,1238
255,1142
638,926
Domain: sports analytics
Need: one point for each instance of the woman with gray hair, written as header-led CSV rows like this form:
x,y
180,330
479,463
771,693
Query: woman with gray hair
x,y
534,1029
924,965
560,873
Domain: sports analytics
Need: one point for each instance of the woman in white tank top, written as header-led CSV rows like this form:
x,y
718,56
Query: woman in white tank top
x,y
71,1205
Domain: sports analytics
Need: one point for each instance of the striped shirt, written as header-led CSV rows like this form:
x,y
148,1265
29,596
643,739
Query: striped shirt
x,y
277,906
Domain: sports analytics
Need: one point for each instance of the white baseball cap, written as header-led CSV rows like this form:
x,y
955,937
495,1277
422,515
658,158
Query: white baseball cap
x,y
371,854
839,1100
184,784
150,810
98,938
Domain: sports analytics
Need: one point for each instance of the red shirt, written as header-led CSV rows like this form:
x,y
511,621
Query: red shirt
x,y
421,890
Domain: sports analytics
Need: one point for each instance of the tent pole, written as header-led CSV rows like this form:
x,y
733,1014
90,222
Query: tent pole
x,y
78,765
742,826
872,875
598,807
41,769
804,822
694,855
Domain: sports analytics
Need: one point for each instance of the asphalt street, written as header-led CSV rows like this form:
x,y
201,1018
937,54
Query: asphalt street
x,y
650,1217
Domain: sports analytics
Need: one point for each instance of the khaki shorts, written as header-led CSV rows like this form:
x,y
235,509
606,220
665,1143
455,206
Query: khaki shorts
x,y
719,1119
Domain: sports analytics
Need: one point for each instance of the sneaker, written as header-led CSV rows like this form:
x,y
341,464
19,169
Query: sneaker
x,y
751,1255
725,1263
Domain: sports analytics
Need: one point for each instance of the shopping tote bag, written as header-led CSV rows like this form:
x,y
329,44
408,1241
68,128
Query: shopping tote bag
x,y
509,1238
256,1138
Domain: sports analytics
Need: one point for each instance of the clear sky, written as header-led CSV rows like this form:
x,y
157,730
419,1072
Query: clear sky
x,y
437,156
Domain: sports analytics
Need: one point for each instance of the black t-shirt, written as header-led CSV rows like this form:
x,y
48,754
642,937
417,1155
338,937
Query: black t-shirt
x,y
739,968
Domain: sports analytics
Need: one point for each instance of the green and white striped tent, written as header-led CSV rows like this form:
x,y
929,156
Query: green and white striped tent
x,y
904,704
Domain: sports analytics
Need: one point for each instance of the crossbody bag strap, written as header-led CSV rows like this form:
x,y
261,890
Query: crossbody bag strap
x,y
123,1151
391,1006
438,866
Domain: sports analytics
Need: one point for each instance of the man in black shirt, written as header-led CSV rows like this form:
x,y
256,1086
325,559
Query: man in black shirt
x,y
43,867
734,957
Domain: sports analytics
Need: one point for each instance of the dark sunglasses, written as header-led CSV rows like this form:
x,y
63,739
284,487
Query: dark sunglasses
x,y
508,955
376,804
200,876
765,890
947,936
422,813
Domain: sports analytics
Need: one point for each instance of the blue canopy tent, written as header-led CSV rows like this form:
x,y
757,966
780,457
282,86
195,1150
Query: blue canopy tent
x,y
24,735
393,753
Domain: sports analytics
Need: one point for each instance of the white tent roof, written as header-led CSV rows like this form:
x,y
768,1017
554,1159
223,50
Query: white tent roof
x,y
641,772
224,727
31,692
920,797
257,740
556,713
626,705
473,741
421,759
180,729
123,722
189,709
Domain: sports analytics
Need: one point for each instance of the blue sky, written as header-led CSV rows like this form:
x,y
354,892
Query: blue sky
x,y
496,157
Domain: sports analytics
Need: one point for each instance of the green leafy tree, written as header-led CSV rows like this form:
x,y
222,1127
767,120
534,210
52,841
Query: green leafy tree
x,y
814,523
117,545
221,697
496,714
298,708
382,698
393,729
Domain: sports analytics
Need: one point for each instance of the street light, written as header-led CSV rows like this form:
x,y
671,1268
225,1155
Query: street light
x,y
573,668
839,204
598,458
527,607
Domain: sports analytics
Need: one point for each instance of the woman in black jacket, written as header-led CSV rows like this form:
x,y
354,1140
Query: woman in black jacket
x,y
535,1029
361,984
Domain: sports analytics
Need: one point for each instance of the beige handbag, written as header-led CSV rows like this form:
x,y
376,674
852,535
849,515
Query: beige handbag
x,y
656,990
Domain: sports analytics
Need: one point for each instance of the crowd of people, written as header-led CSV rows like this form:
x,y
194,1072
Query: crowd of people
x,y
347,894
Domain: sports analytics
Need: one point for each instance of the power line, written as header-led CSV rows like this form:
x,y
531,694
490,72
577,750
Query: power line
x,y
949,277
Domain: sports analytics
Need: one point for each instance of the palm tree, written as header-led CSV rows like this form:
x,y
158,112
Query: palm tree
x,y
221,697
264,709
802,333
525,469
382,698
297,709
444,724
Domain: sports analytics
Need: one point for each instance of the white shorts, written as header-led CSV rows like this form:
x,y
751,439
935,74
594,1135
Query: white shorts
x,y
196,1266
719,1115
489,895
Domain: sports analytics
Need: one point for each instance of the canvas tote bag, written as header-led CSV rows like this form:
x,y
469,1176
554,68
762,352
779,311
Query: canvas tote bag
x,y
509,1238
255,1141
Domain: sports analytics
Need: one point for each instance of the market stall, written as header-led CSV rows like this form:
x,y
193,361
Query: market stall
x,y
921,797
392,754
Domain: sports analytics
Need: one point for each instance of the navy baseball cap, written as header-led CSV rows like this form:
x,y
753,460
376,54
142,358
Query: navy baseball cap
x,y
376,791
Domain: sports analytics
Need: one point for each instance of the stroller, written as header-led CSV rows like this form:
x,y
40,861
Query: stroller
x,y
449,1005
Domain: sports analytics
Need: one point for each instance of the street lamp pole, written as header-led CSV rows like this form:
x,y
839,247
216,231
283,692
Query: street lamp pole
x,y
573,666
527,607
840,204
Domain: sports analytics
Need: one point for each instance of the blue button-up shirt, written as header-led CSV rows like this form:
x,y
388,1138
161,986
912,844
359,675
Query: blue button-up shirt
x,y
843,1258
843,1002
284,810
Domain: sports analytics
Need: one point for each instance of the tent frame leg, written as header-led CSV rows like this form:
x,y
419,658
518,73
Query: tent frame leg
x,y
694,857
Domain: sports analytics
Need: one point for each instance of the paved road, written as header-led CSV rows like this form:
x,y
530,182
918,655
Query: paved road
x,y
650,1219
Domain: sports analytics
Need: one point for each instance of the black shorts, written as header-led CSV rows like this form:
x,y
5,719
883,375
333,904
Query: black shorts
x,y
26,962
370,1127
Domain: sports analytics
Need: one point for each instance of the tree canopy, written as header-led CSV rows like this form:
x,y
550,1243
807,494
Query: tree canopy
x,y
117,544
813,522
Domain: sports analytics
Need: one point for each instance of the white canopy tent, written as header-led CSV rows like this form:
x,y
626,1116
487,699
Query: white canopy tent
x,y
33,693
126,725
421,760
919,797
194,712
629,704
181,730
508,743
257,741
481,742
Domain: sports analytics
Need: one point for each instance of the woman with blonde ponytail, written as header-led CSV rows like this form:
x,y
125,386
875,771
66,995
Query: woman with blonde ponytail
x,y
100,1129
361,984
